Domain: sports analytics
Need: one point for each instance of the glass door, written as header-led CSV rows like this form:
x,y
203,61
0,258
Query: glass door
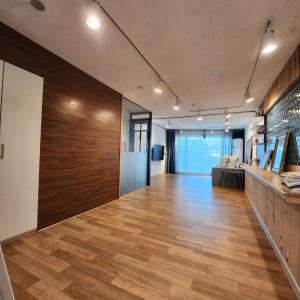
x,y
135,149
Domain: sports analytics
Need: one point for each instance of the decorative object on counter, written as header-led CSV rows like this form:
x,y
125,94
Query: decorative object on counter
x,y
292,181
265,160
279,153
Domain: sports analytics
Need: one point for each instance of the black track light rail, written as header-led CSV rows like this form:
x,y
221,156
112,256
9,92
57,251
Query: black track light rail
x,y
164,82
139,51
203,115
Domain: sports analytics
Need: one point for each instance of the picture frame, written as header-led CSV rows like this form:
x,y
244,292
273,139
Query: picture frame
x,y
265,160
279,153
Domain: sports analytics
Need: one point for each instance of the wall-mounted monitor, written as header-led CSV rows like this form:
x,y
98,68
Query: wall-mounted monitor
x,y
158,152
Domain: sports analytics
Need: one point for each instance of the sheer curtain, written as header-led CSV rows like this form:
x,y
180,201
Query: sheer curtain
x,y
198,151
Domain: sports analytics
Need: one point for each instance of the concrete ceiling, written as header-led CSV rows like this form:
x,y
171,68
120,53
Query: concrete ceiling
x,y
184,40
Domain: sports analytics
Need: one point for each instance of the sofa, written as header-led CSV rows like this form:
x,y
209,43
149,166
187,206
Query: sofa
x,y
225,173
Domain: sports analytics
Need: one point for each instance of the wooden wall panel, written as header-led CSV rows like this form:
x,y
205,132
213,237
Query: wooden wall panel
x,y
282,221
289,74
80,138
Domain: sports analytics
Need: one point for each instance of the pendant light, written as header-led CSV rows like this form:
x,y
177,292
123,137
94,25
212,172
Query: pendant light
x,y
269,44
93,16
248,97
177,105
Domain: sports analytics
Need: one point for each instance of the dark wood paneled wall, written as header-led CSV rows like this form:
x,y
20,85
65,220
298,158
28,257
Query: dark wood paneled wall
x,y
80,139
289,74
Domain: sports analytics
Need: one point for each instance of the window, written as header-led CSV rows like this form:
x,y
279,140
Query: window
x,y
197,152
140,136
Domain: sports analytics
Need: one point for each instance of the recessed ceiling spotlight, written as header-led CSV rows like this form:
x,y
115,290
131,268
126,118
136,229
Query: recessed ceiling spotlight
x,y
168,124
269,44
38,5
158,88
199,118
227,123
93,18
248,97
177,105
216,72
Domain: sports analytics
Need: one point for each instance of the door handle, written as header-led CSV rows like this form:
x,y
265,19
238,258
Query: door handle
x,y
2,151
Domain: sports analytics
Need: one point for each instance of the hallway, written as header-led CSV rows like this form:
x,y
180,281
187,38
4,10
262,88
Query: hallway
x,y
178,239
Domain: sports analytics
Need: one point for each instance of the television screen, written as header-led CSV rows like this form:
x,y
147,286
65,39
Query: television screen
x,y
158,152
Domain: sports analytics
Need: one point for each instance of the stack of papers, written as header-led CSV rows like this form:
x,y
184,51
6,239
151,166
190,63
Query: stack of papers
x,y
292,181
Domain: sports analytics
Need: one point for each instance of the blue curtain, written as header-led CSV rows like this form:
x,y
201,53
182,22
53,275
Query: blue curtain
x,y
198,151
170,143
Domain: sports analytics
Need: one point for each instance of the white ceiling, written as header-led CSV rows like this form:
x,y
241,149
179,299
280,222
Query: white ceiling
x,y
184,40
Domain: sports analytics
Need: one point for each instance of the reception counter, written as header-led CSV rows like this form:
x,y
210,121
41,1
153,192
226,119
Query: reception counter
x,y
278,211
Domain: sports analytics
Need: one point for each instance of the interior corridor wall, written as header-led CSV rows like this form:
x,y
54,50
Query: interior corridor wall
x,y
80,134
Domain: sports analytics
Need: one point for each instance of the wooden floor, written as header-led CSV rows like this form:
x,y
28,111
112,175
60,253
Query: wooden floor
x,y
179,239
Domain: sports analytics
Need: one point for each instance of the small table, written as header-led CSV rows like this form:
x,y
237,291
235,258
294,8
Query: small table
x,y
239,175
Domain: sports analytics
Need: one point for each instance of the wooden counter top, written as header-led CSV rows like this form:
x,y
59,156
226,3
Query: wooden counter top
x,y
272,181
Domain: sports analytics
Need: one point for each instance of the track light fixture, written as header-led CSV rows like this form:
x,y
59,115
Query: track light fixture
x,y
177,105
248,96
199,117
93,15
158,88
269,44
227,114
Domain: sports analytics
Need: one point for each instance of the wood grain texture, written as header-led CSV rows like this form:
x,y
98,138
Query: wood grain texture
x,y
272,181
287,77
179,239
80,138
282,220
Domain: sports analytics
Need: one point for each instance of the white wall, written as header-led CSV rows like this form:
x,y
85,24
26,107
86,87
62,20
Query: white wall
x,y
159,138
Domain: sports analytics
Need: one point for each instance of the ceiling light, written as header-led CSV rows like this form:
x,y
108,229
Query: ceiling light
x,y
227,123
176,106
38,5
269,44
93,18
227,115
158,88
248,97
199,118
226,130
168,124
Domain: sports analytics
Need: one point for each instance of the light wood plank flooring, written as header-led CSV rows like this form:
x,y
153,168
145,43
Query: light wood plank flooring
x,y
178,239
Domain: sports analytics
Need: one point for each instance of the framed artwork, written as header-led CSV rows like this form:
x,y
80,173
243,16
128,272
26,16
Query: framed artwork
x,y
265,160
279,153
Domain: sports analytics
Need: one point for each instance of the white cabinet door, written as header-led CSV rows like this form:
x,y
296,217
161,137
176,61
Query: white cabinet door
x,y
22,94
6,292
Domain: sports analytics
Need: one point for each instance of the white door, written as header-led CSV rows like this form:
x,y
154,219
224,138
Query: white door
x,y
20,131
6,292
